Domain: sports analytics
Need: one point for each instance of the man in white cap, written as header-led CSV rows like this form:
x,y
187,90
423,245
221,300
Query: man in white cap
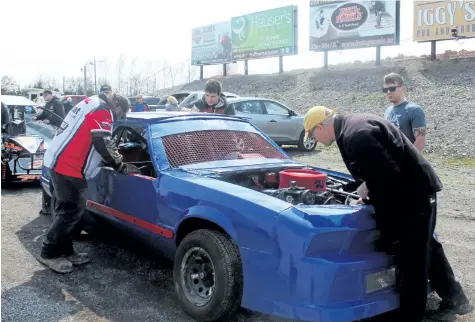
x,y
387,167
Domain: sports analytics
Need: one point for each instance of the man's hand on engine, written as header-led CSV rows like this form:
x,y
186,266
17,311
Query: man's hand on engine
x,y
363,191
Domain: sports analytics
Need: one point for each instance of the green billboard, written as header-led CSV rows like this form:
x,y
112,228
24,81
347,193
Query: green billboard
x,y
265,34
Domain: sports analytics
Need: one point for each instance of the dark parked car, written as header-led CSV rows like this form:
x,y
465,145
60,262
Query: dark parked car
x,y
151,101
282,124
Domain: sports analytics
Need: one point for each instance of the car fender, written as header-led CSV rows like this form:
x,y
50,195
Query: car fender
x,y
213,215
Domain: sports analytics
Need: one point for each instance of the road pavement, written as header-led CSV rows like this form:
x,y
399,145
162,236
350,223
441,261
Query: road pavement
x,y
125,281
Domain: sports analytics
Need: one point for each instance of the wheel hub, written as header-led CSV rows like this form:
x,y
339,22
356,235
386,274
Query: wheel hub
x,y
309,143
197,276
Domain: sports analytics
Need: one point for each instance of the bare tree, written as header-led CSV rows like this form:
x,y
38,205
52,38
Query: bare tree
x,y
120,71
8,85
133,81
165,69
107,66
75,86
51,83
148,75
39,82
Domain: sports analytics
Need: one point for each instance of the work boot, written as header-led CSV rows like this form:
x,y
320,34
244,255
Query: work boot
x,y
78,258
447,309
58,264
460,308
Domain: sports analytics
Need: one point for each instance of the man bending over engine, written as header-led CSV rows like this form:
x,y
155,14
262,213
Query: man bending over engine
x,y
387,166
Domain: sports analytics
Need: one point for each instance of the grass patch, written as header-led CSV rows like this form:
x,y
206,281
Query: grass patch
x,y
461,162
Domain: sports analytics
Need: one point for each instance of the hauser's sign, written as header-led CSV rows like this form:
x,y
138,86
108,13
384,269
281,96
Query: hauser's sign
x,y
435,20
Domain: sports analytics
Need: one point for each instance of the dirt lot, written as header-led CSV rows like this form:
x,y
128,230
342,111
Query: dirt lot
x,y
128,282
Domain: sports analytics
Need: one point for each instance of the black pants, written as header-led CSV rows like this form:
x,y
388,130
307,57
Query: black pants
x,y
421,258
68,209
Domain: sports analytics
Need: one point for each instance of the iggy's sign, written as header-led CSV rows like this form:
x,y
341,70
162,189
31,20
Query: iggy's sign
x,y
435,20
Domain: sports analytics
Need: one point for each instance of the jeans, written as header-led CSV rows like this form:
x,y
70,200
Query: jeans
x,y
69,206
420,258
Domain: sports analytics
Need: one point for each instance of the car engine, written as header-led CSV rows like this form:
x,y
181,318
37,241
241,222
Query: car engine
x,y
296,185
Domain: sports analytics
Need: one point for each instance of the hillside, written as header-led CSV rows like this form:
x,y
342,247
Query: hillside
x,y
444,88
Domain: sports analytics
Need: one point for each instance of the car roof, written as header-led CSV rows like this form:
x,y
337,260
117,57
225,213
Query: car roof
x,y
144,96
158,116
194,92
247,98
17,100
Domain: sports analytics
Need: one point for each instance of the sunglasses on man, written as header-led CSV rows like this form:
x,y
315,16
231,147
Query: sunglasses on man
x,y
391,89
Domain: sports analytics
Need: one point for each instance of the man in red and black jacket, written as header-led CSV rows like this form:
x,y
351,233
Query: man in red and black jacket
x,y
213,101
81,144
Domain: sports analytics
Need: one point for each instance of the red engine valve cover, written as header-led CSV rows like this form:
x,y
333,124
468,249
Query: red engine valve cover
x,y
308,179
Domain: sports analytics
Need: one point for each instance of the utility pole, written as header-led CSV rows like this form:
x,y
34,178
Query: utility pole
x,y
95,79
85,77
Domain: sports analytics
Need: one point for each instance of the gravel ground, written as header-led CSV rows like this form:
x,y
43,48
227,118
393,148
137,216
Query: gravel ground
x,y
128,282
444,88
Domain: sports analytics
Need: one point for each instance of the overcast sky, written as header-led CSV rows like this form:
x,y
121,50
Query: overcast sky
x,y
56,38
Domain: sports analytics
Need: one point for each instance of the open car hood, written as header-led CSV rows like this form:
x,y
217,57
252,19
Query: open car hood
x,y
29,143
356,217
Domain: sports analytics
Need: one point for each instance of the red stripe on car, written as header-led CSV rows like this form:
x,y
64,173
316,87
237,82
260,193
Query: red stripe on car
x,y
134,220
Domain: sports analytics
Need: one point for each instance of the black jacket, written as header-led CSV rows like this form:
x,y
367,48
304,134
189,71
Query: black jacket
x,y
222,107
399,179
67,107
5,114
56,107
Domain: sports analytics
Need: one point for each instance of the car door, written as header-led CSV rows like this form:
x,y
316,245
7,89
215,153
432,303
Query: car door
x,y
282,126
129,200
254,110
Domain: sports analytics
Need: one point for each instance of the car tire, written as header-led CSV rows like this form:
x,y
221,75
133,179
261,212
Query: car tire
x,y
305,147
207,274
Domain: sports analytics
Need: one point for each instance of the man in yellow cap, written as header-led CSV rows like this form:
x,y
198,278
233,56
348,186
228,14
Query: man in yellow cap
x,y
401,185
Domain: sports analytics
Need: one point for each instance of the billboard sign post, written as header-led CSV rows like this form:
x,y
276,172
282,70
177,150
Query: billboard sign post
x,y
264,34
211,44
436,20
340,25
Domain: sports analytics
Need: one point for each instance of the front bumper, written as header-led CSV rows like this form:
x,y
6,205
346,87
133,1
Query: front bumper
x,y
320,268
318,289
24,166
344,312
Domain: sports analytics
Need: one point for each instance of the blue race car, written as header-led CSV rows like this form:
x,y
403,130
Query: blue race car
x,y
245,225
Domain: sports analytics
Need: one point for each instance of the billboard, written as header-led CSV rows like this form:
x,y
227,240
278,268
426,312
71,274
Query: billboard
x,y
434,20
211,44
339,25
263,34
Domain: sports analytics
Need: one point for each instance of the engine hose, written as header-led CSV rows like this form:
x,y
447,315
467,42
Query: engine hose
x,y
344,193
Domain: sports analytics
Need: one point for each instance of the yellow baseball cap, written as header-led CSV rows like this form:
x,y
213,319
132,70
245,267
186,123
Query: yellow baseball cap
x,y
315,116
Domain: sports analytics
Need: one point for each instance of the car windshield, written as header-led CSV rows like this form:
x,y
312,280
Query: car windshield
x,y
152,100
216,143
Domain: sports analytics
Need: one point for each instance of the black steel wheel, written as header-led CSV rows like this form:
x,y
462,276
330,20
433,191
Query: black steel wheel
x,y
207,275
